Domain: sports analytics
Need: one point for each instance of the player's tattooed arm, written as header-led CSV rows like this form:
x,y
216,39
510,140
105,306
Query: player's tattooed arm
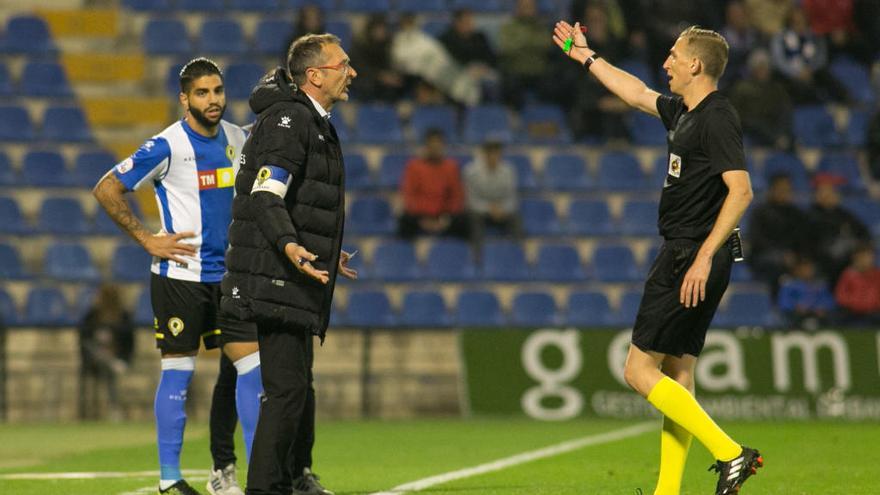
x,y
110,193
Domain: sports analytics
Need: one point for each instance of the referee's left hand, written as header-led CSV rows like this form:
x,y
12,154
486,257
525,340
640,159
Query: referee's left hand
x,y
693,288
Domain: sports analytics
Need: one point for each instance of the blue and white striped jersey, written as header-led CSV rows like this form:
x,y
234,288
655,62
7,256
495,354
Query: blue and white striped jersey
x,y
193,176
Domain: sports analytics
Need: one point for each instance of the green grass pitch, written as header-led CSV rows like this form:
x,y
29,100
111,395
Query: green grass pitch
x,y
362,457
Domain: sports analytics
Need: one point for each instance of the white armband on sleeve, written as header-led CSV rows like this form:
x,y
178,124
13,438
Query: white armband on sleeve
x,y
272,179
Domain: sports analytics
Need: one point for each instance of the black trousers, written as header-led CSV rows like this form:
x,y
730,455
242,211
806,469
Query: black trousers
x,y
223,415
286,429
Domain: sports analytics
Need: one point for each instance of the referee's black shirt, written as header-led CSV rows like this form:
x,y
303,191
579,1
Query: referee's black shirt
x,y
703,143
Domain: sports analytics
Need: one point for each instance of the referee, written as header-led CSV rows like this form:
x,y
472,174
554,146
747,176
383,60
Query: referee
x,y
707,190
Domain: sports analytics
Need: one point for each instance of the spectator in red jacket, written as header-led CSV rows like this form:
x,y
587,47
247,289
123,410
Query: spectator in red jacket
x,y
433,194
858,290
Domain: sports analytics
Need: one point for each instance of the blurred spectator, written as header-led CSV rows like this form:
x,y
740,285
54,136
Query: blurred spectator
x,y
867,19
377,80
309,20
833,19
522,52
872,143
470,48
763,104
490,183
417,54
804,298
106,342
802,58
433,194
742,37
769,15
668,18
836,232
777,233
858,291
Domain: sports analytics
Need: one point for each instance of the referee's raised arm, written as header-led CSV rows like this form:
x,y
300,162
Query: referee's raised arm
x,y
626,86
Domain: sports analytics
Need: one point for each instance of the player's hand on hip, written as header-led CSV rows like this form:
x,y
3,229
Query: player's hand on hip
x,y
577,47
302,260
344,269
693,288
170,246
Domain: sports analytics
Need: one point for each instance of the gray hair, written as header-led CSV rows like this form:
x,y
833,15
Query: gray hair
x,y
305,52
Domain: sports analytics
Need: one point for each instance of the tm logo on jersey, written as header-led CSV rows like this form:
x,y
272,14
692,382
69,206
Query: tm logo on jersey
x,y
216,179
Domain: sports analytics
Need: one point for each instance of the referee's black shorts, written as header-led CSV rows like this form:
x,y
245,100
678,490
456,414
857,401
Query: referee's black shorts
x,y
663,324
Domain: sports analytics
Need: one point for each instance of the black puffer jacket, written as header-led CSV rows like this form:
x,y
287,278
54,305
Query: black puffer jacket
x,y
261,284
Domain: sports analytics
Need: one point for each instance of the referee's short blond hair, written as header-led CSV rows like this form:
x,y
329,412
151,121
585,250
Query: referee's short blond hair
x,y
708,46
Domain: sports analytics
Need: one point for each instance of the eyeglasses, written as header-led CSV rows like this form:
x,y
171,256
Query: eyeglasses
x,y
344,67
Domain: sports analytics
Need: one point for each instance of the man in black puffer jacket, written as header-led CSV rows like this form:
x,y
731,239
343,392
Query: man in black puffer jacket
x,y
285,250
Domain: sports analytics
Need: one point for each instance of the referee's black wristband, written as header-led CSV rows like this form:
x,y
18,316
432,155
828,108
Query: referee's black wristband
x,y
589,61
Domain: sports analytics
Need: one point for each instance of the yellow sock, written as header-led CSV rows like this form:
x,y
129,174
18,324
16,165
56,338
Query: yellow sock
x,y
674,401
674,444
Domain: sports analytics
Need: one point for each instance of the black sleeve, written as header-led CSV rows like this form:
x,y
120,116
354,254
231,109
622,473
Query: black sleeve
x,y
669,108
282,144
722,140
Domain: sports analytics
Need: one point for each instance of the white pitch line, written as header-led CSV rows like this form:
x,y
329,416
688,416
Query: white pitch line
x,y
92,475
552,450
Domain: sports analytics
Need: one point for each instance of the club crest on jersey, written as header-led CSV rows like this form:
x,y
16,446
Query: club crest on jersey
x,y
285,122
230,153
263,175
674,165
175,325
125,165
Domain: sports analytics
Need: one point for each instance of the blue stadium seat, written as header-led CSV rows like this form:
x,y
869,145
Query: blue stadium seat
x,y
566,172
46,306
379,124
857,128
27,34
365,6
639,69
8,312
343,131
166,37
65,124
646,130
6,86
395,260
427,6
44,169
539,217
844,165
13,220
62,216
271,35
357,173
478,308
504,261
15,124
545,124
746,309
525,173
222,37
588,309
615,263
90,166
741,273
534,309
241,78
814,127
202,5
11,266
148,5
143,310
787,163
639,218
478,5
866,209
369,308
558,263
657,178
66,261
130,263
391,170
450,260
8,175
485,121
45,79
434,117
625,315
342,29
855,78
589,217
256,6
370,216
435,27
620,171
424,309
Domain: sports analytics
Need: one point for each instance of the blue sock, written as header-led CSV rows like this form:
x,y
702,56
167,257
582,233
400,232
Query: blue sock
x,y
248,390
170,414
